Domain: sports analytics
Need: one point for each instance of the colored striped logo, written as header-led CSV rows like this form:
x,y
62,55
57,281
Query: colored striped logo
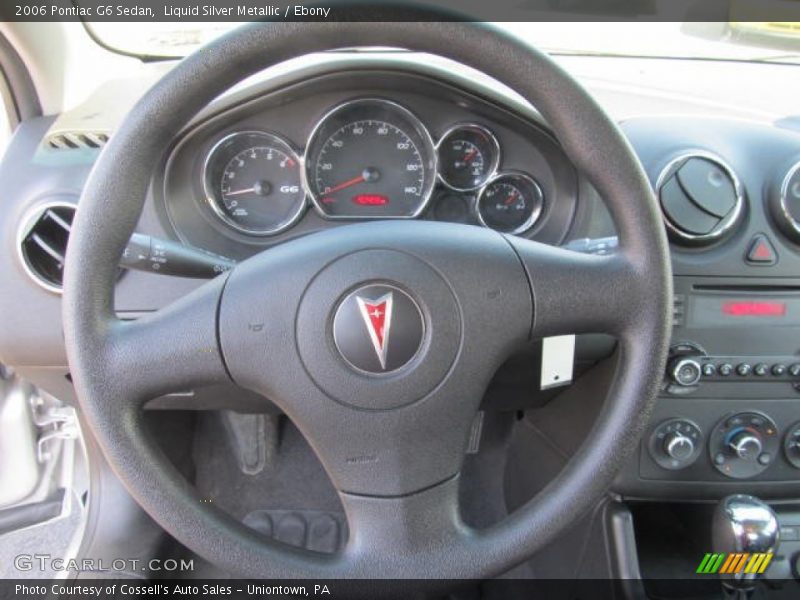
x,y
735,563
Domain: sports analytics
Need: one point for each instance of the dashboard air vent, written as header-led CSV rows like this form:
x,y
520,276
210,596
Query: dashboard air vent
x,y
43,243
701,198
73,140
785,204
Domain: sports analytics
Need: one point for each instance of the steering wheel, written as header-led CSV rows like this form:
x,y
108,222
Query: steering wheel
x,y
291,323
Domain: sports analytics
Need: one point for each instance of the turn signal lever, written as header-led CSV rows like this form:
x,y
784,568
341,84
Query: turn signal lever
x,y
165,257
744,529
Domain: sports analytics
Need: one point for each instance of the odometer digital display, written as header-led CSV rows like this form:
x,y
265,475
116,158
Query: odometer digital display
x,y
370,159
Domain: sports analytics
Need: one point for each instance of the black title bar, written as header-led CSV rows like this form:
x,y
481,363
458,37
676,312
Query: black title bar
x,y
385,10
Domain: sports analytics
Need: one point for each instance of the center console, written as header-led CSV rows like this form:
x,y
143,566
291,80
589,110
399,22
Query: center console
x,y
730,401
728,416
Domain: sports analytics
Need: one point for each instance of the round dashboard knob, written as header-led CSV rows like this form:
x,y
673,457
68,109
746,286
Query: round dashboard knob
x,y
686,372
678,446
675,444
746,445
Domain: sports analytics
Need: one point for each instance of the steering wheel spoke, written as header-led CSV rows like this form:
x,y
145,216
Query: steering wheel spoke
x,y
174,349
579,293
422,525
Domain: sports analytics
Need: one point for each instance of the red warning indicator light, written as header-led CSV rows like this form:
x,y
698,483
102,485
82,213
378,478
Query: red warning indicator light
x,y
754,309
370,200
762,252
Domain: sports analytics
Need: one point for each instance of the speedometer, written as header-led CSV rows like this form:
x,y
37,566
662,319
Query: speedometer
x,y
370,159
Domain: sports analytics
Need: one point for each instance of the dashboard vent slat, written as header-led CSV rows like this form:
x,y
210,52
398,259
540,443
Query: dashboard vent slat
x,y
43,243
54,254
75,140
65,225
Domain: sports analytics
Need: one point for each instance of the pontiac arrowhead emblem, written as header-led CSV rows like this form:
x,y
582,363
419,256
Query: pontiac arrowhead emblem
x,y
378,328
377,316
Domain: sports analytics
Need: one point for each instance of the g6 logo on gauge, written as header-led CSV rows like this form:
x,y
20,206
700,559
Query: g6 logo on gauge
x,y
370,158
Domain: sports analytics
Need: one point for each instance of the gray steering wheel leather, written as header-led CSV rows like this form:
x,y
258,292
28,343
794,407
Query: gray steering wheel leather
x,y
395,463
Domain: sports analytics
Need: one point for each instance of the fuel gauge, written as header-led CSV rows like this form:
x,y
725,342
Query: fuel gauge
x,y
468,157
510,203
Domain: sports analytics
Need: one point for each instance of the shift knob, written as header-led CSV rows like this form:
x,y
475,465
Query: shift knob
x,y
743,524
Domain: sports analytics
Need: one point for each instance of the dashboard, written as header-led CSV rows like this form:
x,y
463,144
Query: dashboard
x,y
347,147
368,158
356,139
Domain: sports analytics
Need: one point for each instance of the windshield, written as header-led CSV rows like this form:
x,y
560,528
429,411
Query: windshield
x,y
773,42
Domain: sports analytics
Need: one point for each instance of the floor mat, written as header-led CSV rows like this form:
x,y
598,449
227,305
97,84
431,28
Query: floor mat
x,y
292,480
52,538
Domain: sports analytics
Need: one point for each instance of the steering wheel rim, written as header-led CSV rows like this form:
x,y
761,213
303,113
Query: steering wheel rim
x,y
402,531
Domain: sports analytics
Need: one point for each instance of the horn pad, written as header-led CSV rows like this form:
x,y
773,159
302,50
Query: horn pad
x,y
378,329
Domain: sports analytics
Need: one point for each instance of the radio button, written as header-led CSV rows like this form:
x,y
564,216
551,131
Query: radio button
x,y
761,369
779,370
794,370
686,372
725,369
709,370
743,369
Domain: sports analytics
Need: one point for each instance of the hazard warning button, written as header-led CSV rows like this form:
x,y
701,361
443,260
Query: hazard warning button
x,y
761,251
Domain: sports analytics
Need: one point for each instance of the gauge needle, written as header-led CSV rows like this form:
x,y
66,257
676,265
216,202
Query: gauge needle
x,y
355,180
470,155
251,190
510,198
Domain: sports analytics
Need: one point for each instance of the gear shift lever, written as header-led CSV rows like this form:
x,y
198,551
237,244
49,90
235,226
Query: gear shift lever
x,y
743,524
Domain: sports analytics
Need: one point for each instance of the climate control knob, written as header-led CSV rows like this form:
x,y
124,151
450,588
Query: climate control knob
x,y
678,446
675,444
746,444
791,445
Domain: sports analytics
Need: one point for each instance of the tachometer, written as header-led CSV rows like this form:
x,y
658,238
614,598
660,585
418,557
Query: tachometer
x,y
254,184
370,159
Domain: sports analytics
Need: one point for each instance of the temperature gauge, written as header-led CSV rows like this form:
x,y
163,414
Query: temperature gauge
x,y
510,203
468,157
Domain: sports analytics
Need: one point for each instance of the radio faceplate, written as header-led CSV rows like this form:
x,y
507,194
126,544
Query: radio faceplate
x,y
735,341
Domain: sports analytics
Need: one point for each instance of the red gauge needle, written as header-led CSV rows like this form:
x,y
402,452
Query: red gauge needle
x,y
251,190
470,155
510,198
346,184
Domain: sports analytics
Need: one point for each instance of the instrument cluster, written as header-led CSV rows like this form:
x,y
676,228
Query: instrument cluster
x,y
368,158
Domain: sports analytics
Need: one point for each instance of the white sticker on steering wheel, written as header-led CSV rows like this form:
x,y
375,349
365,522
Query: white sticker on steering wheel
x,y
558,359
